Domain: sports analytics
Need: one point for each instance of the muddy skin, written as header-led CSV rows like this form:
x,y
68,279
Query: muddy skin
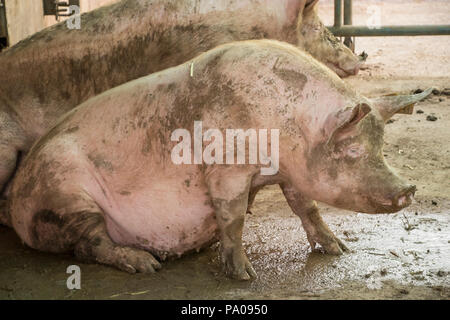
x,y
360,155
48,74
5,218
84,233
323,45
316,230
230,215
47,225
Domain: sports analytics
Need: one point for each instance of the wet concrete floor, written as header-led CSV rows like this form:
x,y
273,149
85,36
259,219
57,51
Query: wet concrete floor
x,y
400,256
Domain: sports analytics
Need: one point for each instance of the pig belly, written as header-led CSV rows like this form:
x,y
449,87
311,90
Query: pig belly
x,y
164,220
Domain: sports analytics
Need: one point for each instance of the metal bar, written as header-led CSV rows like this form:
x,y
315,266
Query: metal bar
x,y
337,13
361,31
348,20
3,32
3,25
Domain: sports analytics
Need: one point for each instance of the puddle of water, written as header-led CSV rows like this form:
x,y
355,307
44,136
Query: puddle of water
x,y
381,250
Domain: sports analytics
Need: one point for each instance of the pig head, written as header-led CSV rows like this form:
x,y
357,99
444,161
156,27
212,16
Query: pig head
x,y
317,40
349,167
343,163
340,159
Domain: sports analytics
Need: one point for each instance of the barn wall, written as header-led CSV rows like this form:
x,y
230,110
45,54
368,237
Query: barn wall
x,y
85,6
88,5
26,17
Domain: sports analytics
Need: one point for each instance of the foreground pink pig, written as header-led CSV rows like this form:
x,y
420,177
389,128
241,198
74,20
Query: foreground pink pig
x,y
47,75
103,182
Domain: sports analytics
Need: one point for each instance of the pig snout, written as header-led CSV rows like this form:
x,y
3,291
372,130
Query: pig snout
x,y
345,70
352,68
354,71
405,197
349,64
394,201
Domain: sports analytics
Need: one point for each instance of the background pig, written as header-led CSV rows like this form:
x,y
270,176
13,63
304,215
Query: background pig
x,y
48,74
102,183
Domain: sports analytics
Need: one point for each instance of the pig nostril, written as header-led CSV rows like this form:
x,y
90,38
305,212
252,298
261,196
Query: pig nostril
x,y
411,191
405,197
402,200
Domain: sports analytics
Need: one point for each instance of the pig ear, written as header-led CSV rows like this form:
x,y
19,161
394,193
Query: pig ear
x,y
390,105
345,120
310,6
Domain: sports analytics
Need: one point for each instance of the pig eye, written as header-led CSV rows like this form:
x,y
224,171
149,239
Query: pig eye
x,y
354,151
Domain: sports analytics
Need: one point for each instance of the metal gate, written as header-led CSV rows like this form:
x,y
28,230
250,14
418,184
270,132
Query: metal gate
x,y
348,30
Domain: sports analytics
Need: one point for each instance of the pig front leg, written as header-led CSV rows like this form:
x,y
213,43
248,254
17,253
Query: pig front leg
x,y
251,198
316,229
229,189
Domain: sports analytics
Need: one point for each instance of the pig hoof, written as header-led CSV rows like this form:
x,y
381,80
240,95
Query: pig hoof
x,y
342,245
333,249
337,247
333,246
240,269
134,260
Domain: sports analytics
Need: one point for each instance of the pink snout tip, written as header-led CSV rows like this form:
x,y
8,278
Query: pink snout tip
x,y
355,71
405,198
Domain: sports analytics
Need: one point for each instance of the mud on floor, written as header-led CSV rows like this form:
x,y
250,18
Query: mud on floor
x,y
401,256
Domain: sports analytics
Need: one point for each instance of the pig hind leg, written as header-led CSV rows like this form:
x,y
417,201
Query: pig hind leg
x,y
85,233
96,245
316,229
59,216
